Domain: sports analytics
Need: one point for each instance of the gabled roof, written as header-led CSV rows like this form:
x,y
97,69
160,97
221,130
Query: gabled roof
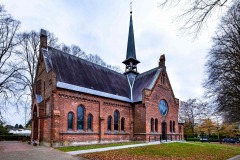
x,y
76,74
76,71
144,80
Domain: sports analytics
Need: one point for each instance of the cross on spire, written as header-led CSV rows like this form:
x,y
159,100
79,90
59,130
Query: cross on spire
x,y
130,7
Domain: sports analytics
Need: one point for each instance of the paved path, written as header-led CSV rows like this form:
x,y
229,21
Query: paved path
x,y
14,150
235,158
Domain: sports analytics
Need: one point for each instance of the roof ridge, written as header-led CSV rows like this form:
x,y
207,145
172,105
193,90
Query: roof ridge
x,y
79,58
146,72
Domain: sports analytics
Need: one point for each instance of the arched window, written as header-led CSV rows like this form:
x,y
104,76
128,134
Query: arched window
x,y
152,125
122,124
156,125
179,129
170,126
70,120
89,121
80,117
116,117
109,123
174,126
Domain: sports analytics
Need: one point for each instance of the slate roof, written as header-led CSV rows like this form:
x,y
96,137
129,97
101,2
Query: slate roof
x,y
76,74
144,80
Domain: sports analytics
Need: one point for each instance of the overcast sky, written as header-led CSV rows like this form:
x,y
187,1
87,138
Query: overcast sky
x,y
101,27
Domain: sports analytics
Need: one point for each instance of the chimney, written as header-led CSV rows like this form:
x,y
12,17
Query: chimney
x,y
162,61
43,38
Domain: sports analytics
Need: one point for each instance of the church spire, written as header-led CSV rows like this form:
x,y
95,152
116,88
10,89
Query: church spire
x,y
131,60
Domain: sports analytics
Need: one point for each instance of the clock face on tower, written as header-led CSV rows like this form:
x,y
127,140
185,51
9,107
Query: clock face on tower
x,y
163,107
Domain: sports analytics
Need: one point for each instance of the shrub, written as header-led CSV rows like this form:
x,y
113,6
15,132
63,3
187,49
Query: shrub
x,y
192,139
14,138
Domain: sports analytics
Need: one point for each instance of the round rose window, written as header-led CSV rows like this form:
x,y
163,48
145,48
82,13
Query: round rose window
x,y
163,107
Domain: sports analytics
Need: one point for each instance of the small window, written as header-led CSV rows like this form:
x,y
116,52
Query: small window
x,y
90,120
122,123
80,117
48,108
38,87
44,88
116,118
174,126
109,123
152,125
70,120
156,125
170,126
163,79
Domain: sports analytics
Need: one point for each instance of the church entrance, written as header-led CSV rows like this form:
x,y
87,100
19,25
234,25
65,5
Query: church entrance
x,y
164,130
35,124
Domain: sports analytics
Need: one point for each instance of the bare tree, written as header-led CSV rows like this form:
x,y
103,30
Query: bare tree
x,y
10,67
76,51
192,112
197,12
65,48
223,66
28,52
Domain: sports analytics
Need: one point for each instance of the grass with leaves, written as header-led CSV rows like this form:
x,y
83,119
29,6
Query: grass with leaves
x,y
167,151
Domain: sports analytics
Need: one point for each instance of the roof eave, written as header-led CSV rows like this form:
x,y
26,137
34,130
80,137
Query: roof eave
x,y
92,92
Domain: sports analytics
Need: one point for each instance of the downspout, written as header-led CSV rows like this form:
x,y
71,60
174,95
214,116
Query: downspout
x,y
100,122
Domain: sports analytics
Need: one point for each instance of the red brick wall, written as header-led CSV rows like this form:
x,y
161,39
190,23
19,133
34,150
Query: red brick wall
x,y
161,91
53,113
68,101
139,115
48,85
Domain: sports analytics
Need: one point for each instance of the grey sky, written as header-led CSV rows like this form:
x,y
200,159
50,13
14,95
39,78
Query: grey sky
x,y
101,27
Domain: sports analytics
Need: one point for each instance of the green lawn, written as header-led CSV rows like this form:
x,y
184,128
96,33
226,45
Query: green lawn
x,y
84,147
173,151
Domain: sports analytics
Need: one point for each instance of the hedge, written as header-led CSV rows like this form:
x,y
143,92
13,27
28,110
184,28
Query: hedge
x,y
197,139
14,138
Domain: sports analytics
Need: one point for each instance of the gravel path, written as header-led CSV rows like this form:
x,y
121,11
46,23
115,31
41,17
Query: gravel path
x,y
14,150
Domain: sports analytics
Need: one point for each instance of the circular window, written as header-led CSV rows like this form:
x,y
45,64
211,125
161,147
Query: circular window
x,y
163,107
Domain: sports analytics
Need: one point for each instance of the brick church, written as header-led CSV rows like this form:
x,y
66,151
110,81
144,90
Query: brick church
x,y
78,102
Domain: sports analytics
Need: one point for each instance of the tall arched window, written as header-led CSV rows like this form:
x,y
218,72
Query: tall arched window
x,y
116,118
80,117
179,129
109,123
156,125
70,120
174,126
122,124
170,126
90,121
152,125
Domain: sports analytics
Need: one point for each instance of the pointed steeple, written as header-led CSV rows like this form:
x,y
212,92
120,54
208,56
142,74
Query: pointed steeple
x,y
131,53
131,60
